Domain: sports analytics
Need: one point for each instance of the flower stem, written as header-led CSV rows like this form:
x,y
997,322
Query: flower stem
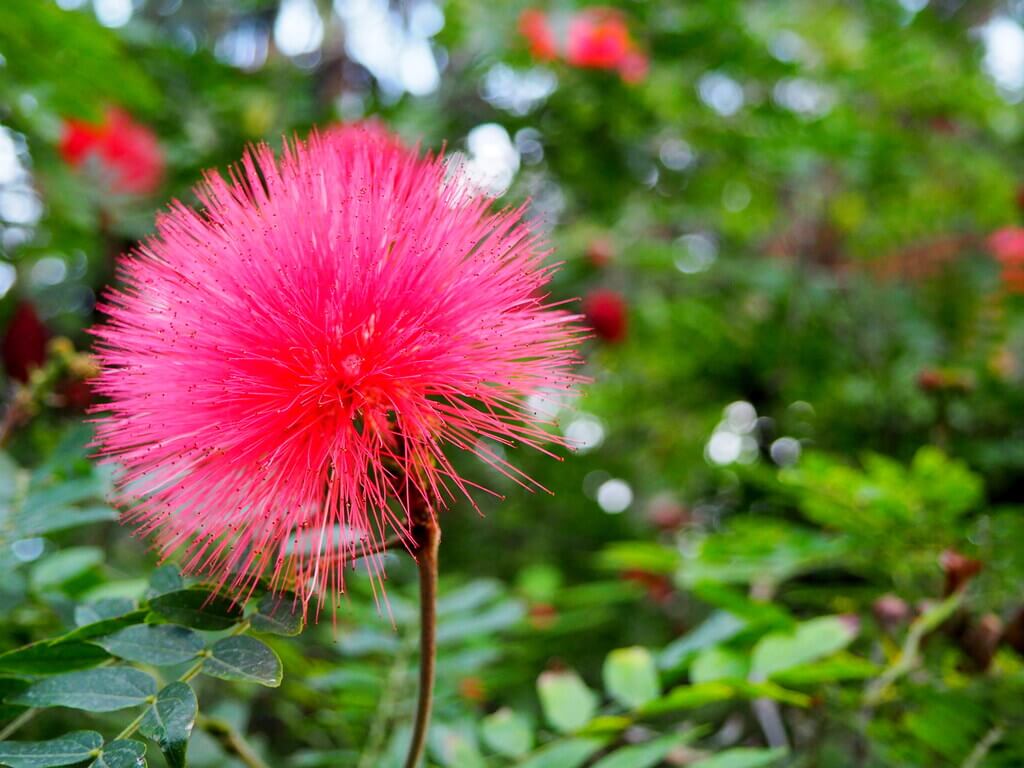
x,y
428,537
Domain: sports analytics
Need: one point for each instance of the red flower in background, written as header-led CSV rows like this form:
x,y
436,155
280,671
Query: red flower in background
x,y
605,312
536,28
600,251
24,344
1007,245
127,152
597,38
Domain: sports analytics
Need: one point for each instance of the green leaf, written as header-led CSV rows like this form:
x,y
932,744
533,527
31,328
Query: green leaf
x,y
169,722
718,663
742,757
455,748
812,640
198,608
507,733
105,626
690,697
278,614
643,755
631,677
161,644
166,578
69,749
717,628
101,610
567,702
842,666
94,690
485,621
122,753
246,659
61,567
42,522
47,658
646,556
564,754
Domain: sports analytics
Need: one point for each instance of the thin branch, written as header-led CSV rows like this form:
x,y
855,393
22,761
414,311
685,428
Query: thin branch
x,y
982,748
231,741
22,719
428,538
191,672
910,653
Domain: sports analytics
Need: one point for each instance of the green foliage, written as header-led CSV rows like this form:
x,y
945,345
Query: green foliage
x,y
816,406
67,750
168,721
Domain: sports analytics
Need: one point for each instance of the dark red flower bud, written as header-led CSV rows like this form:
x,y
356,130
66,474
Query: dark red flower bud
x,y
24,344
959,570
890,611
982,639
605,312
600,251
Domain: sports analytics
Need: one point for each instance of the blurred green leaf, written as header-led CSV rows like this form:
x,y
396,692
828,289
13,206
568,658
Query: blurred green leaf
x,y
643,755
811,640
742,757
717,628
567,702
571,753
631,677
717,663
507,733
61,567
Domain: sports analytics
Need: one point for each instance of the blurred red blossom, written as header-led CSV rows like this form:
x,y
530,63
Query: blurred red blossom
x,y
126,151
1007,245
24,344
600,251
605,312
535,26
596,38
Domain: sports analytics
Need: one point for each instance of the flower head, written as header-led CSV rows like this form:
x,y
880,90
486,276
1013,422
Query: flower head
x,y
127,153
285,368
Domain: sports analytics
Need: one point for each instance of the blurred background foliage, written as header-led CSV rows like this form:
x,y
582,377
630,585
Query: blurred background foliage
x,y
791,534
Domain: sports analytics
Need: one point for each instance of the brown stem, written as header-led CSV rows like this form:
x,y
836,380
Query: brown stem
x,y
12,417
428,537
231,741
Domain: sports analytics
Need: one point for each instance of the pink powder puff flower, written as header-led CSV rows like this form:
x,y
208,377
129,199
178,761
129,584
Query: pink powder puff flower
x,y
127,152
285,368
